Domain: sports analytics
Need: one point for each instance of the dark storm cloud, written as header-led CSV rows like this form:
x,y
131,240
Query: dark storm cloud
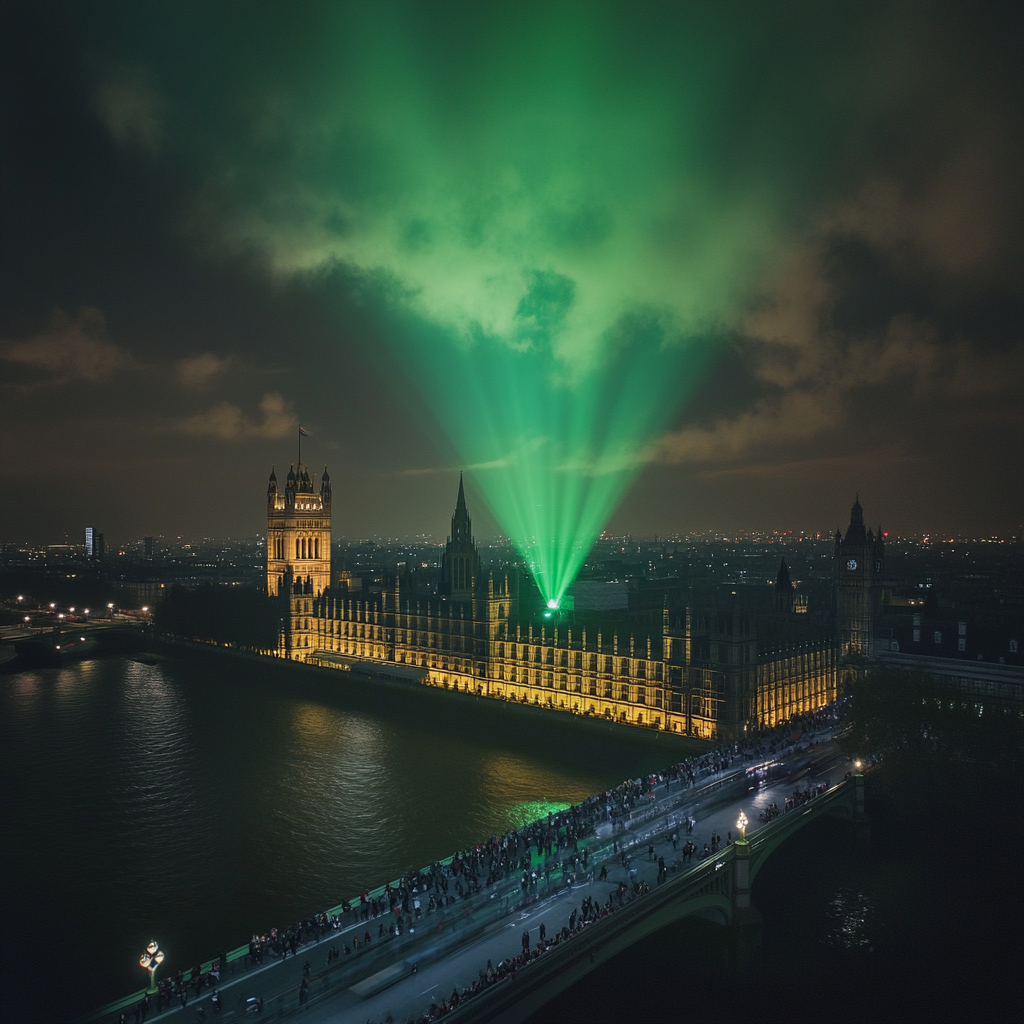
x,y
889,339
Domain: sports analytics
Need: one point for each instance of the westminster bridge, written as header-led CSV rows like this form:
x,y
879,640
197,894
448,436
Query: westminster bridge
x,y
401,975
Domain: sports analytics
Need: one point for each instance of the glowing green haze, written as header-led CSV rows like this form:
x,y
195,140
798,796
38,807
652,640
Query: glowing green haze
x,y
555,210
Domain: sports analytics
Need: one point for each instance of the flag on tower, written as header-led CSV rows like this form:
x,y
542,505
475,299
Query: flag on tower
x,y
302,431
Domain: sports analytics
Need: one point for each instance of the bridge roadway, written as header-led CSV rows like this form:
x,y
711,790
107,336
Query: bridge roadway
x,y
493,928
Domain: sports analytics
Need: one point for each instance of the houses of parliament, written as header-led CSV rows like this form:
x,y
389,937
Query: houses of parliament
x,y
716,666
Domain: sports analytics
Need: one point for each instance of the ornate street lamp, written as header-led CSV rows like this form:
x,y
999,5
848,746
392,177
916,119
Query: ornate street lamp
x,y
741,824
151,960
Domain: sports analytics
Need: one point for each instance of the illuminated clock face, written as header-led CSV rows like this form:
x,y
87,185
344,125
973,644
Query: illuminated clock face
x,y
852,563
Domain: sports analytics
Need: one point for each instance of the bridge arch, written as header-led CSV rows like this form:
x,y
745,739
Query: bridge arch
x,y
837,804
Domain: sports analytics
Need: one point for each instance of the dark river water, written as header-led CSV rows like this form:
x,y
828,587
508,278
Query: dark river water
x,y
206,798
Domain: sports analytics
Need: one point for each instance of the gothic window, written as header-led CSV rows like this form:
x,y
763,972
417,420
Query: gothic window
x,y
625,666
318,547
297,547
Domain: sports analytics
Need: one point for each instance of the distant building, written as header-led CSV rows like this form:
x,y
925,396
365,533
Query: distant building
x,y
148,547
973,652
90,542
860,567
600,595
976,654
718,666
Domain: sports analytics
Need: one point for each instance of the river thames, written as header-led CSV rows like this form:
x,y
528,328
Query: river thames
x,y
204,798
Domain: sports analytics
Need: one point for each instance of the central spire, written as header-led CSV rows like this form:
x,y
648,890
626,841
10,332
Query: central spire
x,y
460,502
460,566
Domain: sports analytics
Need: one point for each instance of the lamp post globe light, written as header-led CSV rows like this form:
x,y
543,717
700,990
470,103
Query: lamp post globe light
x,y
741,824
151,960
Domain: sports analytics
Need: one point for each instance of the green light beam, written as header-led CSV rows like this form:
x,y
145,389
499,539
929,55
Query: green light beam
x,y
555,211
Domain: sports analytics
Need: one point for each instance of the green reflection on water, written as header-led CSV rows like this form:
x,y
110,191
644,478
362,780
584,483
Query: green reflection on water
x,y
528,811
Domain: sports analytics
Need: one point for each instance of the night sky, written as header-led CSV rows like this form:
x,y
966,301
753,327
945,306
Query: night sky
x,y
667,268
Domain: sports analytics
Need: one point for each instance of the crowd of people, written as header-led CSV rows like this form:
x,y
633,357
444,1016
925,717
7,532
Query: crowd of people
x,y
552,843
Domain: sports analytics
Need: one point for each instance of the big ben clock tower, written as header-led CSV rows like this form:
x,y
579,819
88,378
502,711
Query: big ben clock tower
x,y
860,564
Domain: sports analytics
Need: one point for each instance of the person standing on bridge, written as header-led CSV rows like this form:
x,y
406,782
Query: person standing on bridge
x,y
526,940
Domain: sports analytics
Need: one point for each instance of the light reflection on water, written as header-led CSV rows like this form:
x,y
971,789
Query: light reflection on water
x,y
200,801
850,921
